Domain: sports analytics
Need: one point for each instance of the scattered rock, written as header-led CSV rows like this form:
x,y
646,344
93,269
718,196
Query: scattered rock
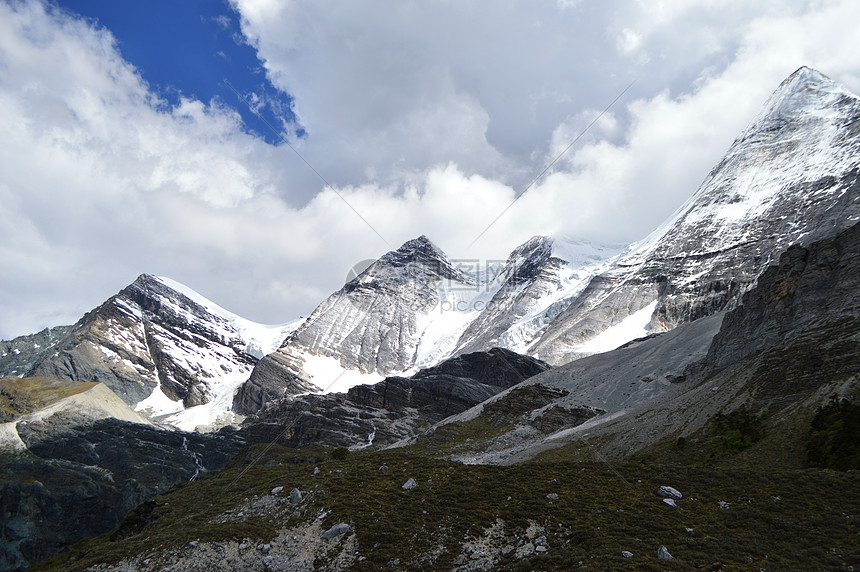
x,y
540,541
626,554
663,553
724,504
541,548
276,490
670,502
552,496
264,548
193,544
383,467
668,493
409,485
394,562
336,530
316,470
295,496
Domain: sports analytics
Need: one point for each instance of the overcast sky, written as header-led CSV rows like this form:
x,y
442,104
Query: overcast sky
x,y
123,150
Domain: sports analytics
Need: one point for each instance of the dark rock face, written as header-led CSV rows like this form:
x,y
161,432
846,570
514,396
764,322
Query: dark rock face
x,y
77,481
272,378
809,302
394,408
557,417
19,355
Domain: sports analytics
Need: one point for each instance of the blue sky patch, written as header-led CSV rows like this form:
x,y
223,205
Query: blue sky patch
x,y
192,48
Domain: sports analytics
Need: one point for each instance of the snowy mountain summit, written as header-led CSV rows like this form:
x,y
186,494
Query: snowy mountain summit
x,y
413,308
165,349
791,176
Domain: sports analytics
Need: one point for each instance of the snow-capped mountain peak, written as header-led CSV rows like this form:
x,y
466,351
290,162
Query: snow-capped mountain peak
x,y
805,92
165,349
792,176
258,339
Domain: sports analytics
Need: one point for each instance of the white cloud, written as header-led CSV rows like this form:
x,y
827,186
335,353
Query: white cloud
x,y
428,118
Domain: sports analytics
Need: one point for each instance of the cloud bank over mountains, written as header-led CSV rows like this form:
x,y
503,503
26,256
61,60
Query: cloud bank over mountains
x,y
427,119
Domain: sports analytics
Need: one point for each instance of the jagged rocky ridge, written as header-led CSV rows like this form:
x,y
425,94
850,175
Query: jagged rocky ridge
x,y
393,409
18,356
415,307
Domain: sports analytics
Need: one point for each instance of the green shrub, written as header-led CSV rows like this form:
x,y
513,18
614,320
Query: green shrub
x,y
835,436
738,430
340,453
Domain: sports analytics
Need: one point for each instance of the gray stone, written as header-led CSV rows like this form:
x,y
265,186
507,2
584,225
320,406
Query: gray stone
x,y
626,554
336,530
668,493
552,496
276,490
663,553
295,496
264,548
409,485
670,502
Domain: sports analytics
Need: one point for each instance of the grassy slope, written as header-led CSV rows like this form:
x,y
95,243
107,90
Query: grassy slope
x,y
782,519
21,396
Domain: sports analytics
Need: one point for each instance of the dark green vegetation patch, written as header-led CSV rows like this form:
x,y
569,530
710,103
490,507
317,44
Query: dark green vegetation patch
x,y
835,439
774,519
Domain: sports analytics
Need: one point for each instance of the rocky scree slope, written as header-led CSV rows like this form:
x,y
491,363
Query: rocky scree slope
x,y
789,346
